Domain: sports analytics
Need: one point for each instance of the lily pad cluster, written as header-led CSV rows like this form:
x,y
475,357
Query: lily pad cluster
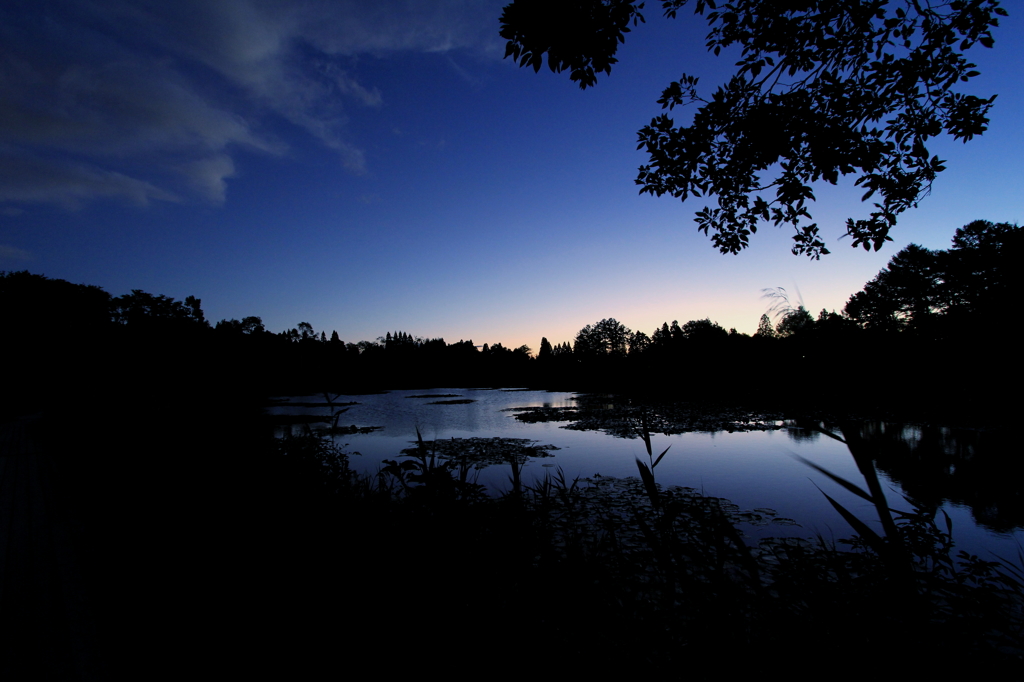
x,y
483,452
621,418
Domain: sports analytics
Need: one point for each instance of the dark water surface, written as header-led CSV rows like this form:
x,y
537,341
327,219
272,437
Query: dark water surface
x,y
754,469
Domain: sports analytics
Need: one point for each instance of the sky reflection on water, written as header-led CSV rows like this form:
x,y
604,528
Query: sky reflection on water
x,y
753,469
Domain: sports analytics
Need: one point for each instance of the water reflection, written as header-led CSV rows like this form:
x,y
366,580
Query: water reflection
x,y
800,434
935,465
743,456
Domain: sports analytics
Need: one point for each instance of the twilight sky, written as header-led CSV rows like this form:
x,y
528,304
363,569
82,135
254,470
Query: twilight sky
x,y
371,167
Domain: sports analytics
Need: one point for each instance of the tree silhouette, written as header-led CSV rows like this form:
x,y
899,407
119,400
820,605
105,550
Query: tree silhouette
x,y
978,278
607,338
765,330
902,295
981,273
704,331
35,308
638,343
794,322
823,89
235,328
662,336
141,310
545,349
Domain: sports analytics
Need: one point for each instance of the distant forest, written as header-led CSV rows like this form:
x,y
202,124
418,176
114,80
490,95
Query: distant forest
x,y
932,326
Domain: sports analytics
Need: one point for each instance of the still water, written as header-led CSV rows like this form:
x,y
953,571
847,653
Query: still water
x,y
754,469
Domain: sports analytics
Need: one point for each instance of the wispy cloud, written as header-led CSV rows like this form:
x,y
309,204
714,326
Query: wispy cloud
x,y
28,179
13,253
209,176
150,100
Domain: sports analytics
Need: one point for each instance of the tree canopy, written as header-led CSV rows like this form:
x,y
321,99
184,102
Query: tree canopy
x,y
607,338
977,279
823,89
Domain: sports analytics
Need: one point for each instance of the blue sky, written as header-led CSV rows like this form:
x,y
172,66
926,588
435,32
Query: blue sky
x,y
368,167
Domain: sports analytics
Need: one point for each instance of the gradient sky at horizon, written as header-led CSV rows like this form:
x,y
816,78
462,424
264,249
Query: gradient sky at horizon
x,y
372,167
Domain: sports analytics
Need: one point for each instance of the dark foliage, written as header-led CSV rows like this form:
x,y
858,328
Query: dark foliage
x,y
636,576
823,89
929,313
940,292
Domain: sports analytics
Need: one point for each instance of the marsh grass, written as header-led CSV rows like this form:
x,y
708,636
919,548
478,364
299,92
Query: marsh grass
x,y
974,600
640,576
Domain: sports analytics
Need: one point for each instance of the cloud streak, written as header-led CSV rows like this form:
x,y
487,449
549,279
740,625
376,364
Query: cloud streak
x,y
29,180
13,253
152,101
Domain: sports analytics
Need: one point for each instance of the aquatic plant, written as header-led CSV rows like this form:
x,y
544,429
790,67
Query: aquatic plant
x,y
979,601
435,462
619,417
669,569
316,459
428,475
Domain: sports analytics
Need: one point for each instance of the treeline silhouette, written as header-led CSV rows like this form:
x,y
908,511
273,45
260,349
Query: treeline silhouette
x,y
929,328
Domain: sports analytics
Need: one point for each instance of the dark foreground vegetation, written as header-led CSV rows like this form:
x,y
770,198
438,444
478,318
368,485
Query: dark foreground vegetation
x,y
626,576
253,555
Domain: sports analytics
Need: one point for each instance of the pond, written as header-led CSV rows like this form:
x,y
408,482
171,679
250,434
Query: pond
x,y
754,460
